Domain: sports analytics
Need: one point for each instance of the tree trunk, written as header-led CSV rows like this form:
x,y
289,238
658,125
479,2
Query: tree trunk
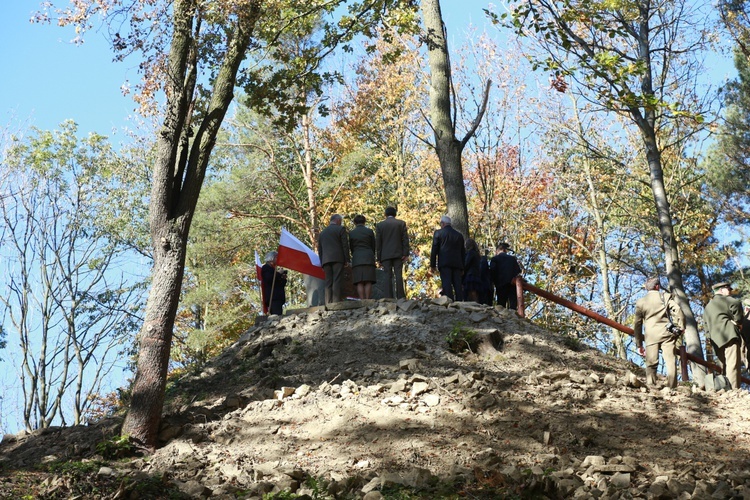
x,y
646,124
672,255
308,172
447,147
179,171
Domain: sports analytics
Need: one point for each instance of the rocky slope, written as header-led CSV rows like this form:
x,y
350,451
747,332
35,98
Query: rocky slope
x,y
368,401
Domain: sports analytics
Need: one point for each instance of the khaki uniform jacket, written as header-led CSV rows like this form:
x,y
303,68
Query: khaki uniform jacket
x,y
392,239
652,310
333,245
722,316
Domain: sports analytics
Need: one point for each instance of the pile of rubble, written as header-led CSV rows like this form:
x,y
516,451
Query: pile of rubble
x,y
367,398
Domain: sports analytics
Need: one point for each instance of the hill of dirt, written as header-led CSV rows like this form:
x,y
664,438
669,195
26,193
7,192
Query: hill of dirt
x,y
371,401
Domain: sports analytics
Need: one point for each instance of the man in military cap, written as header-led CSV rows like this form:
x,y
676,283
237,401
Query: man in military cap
x,y
723,320
664,322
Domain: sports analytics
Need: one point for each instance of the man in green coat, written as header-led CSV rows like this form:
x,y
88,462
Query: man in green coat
x,y
658,310
723,319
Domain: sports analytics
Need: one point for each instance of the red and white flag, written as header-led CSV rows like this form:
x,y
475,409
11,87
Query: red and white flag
x,y
295,255
259,270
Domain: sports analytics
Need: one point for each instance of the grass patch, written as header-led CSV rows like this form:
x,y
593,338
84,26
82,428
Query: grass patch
x,y
462,338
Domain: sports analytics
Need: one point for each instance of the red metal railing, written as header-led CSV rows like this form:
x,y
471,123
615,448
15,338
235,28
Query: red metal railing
x,y
685,356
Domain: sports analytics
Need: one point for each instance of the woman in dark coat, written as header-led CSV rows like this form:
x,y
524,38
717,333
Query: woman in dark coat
x,y
362,245
472,271
274,283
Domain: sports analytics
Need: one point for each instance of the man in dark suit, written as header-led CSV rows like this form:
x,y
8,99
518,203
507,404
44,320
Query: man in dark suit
x,y
333,249
392,243
448,254
723,319
274,283
503,268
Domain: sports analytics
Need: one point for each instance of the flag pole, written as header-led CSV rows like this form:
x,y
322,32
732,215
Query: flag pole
x,y
273,284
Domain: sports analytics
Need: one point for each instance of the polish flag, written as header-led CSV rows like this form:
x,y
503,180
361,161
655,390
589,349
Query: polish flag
x,y
258,270
295,255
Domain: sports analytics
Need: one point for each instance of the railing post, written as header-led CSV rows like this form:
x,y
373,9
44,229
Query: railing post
x,y
521,309
683,364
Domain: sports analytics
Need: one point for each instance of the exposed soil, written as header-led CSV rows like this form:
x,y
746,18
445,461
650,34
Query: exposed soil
x,y
371,402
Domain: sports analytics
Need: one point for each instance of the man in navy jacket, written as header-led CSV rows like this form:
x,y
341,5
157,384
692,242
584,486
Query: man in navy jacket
x,y
448,254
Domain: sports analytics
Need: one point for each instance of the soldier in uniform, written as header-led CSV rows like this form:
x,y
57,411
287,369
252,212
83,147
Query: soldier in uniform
x,y
664,322
723,319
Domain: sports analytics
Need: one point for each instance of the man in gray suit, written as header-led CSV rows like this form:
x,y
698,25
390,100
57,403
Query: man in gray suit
x,y
392,243
658,310
333,249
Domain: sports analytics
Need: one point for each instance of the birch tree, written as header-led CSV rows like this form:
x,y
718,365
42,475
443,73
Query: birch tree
x,y
637,58
70,307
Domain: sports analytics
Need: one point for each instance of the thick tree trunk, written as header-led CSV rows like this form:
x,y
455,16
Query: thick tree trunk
x,y
179,171
447,147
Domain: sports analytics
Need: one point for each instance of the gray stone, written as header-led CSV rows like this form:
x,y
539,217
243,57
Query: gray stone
x,y
620,480
593,460
418,388
373,495
441,301
478,317
193,489
302,390
632,380
431,400
286,484
407,305
344,305
610,379
398,386
411,365
105,471
372,485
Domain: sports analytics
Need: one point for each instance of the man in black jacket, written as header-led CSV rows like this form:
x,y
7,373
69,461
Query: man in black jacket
x,y
274,284
503,268
448,253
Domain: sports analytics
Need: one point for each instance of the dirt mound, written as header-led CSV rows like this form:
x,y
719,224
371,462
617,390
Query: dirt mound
x,y
379,399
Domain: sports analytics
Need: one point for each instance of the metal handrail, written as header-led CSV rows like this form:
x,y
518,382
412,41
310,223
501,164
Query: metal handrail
x,y
685,356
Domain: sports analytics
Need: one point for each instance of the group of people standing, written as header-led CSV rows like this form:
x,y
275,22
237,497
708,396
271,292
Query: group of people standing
x,y
467,275
726,323
464,273
362,249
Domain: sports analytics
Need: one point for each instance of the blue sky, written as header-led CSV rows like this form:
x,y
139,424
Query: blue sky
x,y
48,80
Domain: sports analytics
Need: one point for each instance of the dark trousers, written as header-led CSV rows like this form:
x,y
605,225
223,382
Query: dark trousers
x,y
276,307
450,278
506,296
394,268
334,273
